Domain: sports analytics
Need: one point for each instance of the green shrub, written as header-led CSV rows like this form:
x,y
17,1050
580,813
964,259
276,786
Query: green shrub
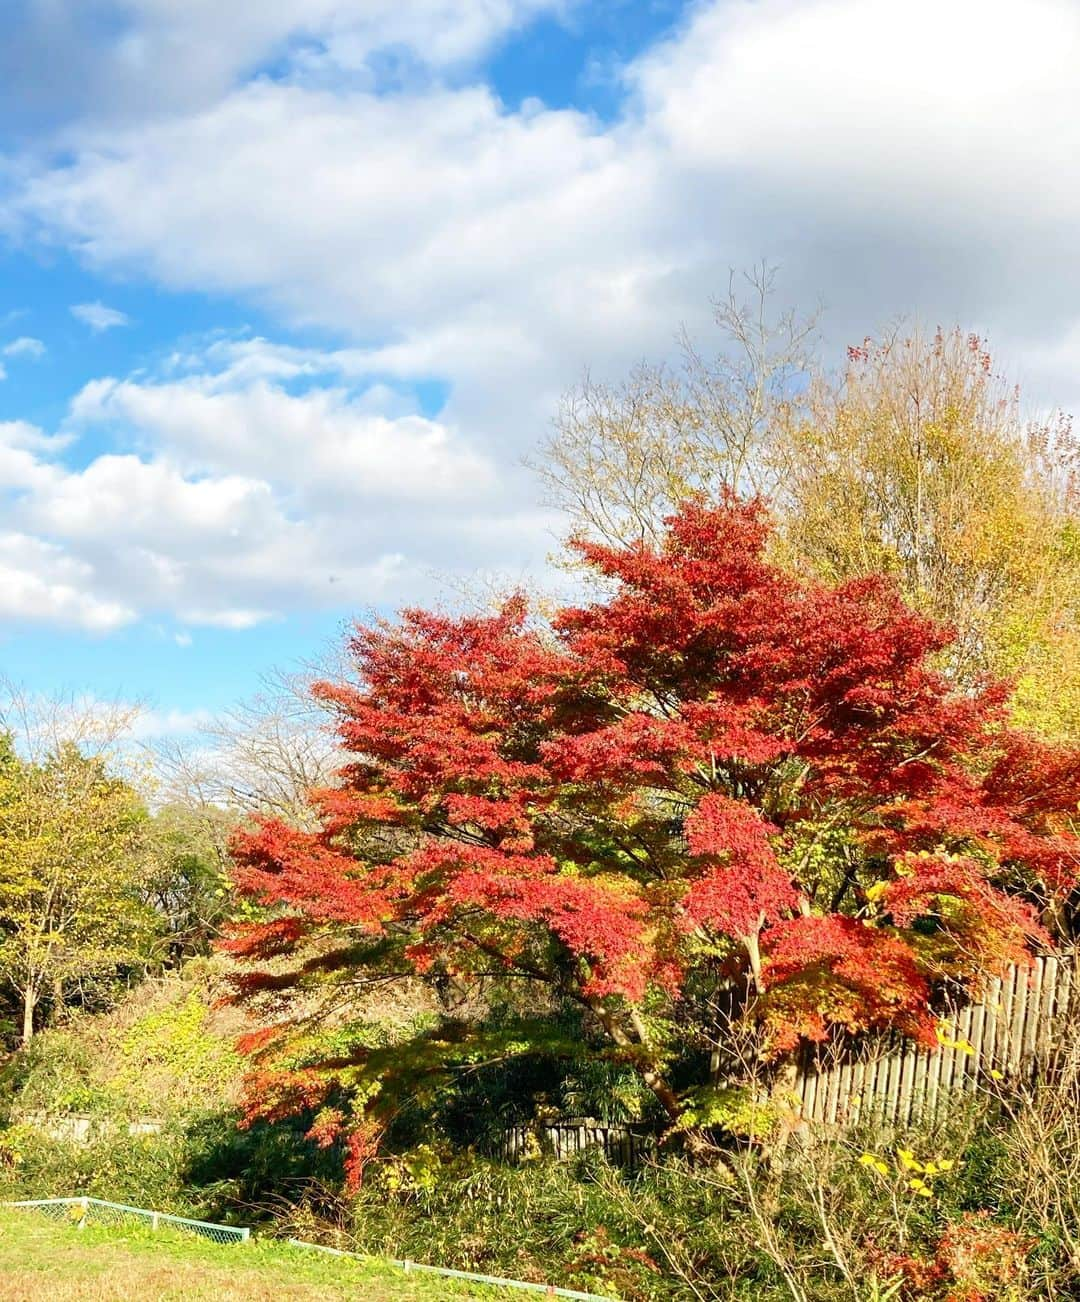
x,y
58,1072
173,1044
144,1170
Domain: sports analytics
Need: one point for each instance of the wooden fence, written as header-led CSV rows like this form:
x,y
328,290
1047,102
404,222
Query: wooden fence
x,y
623,1145
1009,1036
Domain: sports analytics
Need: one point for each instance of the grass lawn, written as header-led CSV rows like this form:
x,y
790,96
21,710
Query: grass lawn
x,y
41,1260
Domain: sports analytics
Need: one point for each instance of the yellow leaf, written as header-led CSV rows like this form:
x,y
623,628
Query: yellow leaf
x,y
907,1158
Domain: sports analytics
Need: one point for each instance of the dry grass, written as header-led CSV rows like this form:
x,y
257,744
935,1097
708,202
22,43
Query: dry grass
x,y
40,1259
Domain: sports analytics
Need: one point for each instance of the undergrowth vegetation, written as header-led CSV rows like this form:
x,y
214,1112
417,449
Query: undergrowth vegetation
x,y
980,1207
166,1051
828,1224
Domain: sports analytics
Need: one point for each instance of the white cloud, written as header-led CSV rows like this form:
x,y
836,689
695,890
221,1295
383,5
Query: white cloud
x,y
99,317
320,445
239,501
117,60
504,251
154,724
887,169
496,250
852,113
24,346
866,74
915,159
41,583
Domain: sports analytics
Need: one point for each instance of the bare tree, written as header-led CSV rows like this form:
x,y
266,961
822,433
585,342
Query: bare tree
x,y
263,755
39,724
623,456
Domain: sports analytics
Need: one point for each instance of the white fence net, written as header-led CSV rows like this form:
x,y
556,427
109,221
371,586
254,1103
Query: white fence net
x,y
96,1211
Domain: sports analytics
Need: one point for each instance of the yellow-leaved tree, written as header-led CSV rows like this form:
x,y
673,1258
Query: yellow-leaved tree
x,y
920,464
72,867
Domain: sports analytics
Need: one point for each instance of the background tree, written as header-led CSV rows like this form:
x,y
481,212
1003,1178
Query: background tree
x,y
186,876
717,777
919,464
623,457
262,756
916,460
71,906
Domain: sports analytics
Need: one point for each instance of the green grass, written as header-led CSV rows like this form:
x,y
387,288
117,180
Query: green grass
x,y
42,1258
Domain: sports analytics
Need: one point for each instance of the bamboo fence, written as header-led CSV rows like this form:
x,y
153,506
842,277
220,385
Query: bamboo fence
x,y
1009,1036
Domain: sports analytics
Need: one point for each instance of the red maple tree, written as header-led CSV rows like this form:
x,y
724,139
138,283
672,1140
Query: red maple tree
x,y
719,771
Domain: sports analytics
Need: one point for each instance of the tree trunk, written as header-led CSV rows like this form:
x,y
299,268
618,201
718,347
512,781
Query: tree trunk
x,y
29,1004
654,1081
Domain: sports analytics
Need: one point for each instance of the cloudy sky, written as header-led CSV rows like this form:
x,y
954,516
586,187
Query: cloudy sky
x,y
288,287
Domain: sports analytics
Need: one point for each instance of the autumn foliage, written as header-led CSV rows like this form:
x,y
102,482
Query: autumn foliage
x,y
716,775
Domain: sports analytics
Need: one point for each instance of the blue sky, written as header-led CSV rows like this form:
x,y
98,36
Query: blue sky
x,y
288,289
